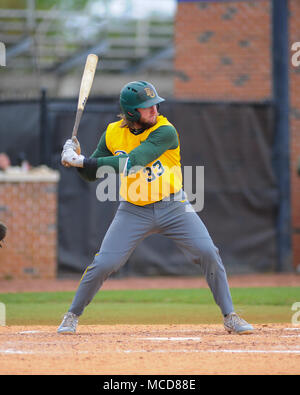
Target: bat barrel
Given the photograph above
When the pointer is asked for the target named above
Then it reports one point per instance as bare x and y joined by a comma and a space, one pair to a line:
85, 87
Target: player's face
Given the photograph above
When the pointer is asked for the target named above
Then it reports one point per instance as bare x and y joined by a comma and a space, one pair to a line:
148, 116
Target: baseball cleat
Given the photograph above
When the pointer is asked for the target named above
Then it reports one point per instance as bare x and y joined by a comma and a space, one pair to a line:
234, 323
69, 324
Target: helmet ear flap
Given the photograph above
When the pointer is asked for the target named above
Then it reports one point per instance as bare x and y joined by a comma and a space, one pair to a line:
133, 116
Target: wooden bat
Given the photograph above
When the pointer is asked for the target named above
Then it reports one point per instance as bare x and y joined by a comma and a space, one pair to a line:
85, 87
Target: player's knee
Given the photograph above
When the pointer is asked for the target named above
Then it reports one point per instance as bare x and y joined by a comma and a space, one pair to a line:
208, 254
106, 264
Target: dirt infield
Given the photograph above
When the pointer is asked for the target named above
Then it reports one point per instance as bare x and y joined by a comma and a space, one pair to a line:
155, 349
150, 349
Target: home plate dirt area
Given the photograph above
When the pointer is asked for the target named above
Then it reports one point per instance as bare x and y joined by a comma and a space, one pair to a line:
149, 349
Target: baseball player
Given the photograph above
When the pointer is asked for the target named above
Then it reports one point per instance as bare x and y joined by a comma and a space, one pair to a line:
144, 148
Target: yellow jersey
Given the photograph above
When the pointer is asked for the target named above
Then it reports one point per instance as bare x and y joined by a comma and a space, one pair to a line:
158, 179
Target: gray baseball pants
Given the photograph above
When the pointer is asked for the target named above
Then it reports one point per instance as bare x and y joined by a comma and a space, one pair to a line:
131, 224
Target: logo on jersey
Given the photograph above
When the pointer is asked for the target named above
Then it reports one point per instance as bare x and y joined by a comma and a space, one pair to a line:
120, 152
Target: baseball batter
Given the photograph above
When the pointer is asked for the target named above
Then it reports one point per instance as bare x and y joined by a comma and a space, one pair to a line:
144, 148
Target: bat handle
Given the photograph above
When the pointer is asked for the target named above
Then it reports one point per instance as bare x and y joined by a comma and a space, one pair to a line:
77, 121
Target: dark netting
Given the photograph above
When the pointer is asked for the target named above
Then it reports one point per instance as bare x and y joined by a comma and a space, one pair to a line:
232, 141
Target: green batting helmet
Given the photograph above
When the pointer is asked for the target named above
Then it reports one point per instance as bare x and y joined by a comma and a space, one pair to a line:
137, 94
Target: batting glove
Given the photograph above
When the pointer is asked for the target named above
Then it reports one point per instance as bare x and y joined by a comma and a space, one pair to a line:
70, 158
73, 144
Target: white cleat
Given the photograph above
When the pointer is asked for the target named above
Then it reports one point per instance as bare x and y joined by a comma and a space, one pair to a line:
234, 323
69, 324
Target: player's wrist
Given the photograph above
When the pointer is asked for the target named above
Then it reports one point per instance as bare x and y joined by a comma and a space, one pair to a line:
90, 163
79, 161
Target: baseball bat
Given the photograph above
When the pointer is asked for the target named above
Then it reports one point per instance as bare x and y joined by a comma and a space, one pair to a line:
85, 87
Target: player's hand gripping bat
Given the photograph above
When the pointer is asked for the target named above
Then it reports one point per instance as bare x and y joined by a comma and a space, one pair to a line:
85, 87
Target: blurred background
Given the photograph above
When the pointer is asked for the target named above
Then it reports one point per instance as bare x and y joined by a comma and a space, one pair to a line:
48, 41
231, 90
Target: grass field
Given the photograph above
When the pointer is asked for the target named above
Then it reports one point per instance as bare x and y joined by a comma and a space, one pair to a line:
158, 306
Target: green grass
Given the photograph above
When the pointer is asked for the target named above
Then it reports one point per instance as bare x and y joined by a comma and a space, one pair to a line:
157, 306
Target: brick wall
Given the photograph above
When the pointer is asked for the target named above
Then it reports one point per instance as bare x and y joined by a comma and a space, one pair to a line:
29, 211
294, 118
223, 50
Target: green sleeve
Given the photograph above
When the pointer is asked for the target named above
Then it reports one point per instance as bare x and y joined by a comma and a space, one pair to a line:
101, 149
162, 139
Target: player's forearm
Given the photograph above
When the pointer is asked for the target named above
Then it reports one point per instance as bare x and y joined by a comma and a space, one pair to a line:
90, 166
116, 163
